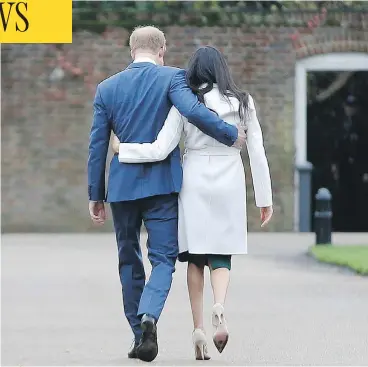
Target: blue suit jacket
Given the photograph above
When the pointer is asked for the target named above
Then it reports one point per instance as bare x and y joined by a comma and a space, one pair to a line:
134, 104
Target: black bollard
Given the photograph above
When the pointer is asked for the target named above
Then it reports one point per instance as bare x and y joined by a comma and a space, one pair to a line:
323, 217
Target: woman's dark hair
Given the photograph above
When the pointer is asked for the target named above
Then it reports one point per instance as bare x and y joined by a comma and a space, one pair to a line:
208, 65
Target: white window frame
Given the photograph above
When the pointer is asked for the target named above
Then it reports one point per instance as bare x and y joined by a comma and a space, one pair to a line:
344, 61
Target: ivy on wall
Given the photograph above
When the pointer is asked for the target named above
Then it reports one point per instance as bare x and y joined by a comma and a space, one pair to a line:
96, 16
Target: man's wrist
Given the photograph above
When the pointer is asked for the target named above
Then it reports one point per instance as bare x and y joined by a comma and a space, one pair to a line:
96, 198
96, 194
233, 134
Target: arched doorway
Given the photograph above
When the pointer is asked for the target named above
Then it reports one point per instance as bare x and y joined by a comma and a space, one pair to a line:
342, 63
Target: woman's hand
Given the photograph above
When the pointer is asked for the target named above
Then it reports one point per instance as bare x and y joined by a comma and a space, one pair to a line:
266, 215
115, 144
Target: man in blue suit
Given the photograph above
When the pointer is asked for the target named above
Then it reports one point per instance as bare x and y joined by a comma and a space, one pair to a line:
134, 104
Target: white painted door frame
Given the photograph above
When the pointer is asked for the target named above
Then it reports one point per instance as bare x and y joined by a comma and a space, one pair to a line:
328, 62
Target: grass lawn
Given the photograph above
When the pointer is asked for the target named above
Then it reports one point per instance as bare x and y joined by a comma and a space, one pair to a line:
353, 257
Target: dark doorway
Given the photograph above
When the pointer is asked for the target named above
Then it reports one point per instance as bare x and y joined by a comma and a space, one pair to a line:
337, 144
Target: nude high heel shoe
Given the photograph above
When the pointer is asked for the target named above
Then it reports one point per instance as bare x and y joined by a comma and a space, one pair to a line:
200, 345
221, 334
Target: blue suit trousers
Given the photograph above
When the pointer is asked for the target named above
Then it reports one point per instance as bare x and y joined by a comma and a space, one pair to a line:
160, 217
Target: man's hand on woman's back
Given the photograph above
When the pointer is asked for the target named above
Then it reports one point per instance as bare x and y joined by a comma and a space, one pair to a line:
240, 141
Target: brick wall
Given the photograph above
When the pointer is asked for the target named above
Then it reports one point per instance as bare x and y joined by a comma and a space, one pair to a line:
46, 112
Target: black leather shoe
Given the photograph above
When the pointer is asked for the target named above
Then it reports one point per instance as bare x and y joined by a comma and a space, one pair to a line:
133, 352
147, 348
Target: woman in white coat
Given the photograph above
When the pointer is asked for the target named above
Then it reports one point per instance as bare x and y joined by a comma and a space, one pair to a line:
212, 202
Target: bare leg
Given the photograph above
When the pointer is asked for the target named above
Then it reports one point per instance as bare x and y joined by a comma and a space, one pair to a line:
220, 279
195, 280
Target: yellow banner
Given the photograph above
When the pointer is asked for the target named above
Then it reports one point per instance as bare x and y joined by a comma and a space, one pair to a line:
36, 21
